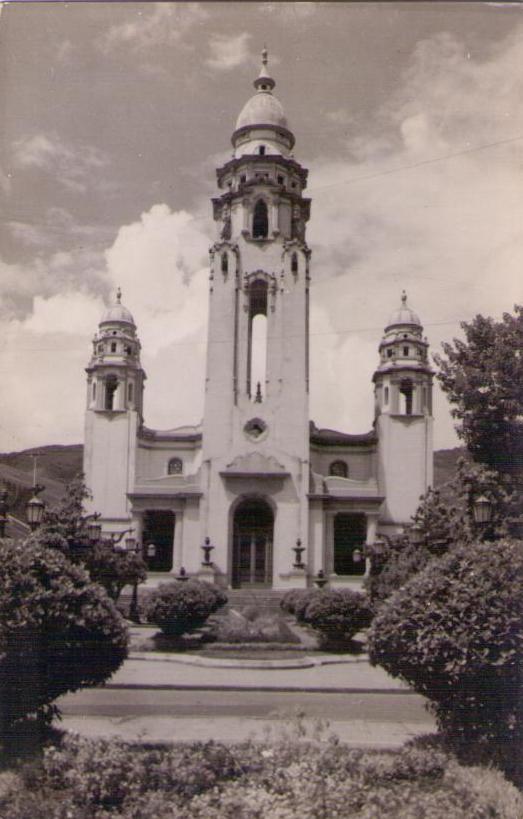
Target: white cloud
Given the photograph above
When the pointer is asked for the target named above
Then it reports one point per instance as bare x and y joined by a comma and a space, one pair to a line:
165, 23
396, 213
73, 167
228, 51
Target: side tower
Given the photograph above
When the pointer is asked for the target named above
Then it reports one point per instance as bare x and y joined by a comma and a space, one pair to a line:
403, 401
256, 419
115, 382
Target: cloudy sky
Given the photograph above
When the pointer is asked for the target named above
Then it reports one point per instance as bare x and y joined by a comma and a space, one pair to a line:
114, 117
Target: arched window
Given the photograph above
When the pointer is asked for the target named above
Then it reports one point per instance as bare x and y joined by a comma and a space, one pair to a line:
260, 220
111, 385
225, 263
257, 341
175, 466
294, 263
339, 469
113, 346
406, 397
261, 150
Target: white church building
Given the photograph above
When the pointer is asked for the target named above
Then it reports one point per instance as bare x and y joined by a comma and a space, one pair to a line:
277, 498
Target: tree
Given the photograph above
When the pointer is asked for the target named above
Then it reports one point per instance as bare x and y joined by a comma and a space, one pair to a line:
483, 379
443, 519
65, 528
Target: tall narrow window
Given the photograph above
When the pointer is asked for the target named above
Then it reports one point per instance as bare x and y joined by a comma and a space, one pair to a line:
406, 397
386, 395
261, 150
130, 392
113, 346
294, 264
225, 263
111, 385
94, 390
260, 220
257, 350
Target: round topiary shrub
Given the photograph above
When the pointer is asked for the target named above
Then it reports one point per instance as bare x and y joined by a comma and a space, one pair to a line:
182, 606
295, 601
338, 614
455, 633
58, 630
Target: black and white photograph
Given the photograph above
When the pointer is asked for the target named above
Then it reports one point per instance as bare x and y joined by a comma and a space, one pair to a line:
261, 410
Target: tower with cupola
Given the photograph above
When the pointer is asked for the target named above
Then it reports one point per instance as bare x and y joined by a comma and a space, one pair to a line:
115, 383
256, 418
403, 406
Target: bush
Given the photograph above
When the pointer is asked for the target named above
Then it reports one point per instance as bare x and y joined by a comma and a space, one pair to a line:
289, 779
256, 628
114, 570
182, 606
338, 614
296, 601
455, 633
58, 631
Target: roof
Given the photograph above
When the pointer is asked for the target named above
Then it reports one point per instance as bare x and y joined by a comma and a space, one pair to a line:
332, 437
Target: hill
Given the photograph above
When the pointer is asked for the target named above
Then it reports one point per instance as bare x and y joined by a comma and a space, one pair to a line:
57, 465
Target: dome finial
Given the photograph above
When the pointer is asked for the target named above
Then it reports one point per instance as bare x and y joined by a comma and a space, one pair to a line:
119, 295
264, 81
404, 297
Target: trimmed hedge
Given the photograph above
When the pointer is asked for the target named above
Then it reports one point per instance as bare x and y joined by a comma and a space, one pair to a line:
183, 606
58, 630
455, 633
338, 614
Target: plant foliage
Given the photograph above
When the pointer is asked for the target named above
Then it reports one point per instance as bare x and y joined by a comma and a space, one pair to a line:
183, 606
455, 633
113, 569
58, 630
483, 379
338, 614
283, 779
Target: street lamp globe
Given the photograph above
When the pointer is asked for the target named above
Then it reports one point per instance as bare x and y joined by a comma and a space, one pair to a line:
34, 511
482, 510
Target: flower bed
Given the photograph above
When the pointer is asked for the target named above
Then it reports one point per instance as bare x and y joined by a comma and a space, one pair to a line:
285, 779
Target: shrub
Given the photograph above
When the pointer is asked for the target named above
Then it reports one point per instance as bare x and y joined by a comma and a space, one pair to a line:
455, 633
296, 601
337, 614
182, 606
58, 631
288, 779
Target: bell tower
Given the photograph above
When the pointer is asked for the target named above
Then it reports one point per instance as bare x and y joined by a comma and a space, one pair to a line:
403, 402
257, 382
115, 384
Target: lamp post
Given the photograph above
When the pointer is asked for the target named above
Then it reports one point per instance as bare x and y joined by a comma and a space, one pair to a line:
482, 512
94, 528
35, 508
134, 610
3, 510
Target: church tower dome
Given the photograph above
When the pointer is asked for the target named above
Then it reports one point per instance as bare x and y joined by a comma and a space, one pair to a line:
115, 374
262, 123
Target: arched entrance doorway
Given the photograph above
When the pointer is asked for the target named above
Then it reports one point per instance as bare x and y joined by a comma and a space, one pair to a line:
253, 528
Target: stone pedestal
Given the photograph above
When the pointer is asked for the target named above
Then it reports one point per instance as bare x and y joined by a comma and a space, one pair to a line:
295, 579
207, 573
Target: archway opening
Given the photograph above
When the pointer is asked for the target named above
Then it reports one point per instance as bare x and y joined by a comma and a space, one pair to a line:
158, 539
350, 534
253, 529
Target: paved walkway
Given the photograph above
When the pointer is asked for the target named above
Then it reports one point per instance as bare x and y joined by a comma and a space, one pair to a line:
321, 674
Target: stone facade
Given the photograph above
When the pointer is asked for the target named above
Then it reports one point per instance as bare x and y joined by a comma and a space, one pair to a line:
277, 498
